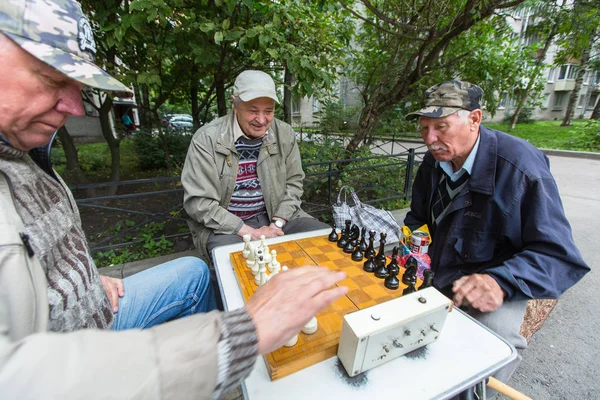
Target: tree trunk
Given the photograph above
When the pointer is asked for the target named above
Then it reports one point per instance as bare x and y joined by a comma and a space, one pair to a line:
287, 96
596, 112
539, 64
194, 96
368, 119
221, 100
73, 168
146, 110
585, 56
114, 143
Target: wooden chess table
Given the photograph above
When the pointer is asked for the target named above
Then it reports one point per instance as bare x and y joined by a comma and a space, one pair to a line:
365, 290
465, 353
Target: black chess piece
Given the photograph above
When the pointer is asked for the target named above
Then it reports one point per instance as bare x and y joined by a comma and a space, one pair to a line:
381, 254
370, 249
357, 255
409, 278
344, 236
380, 271
333, 236
363, 240
410, 288
354, 232
369, 265
427, 279
394, 260
391, 281
349, 247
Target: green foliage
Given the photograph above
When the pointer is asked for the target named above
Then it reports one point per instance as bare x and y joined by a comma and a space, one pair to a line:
546, 134
588, 136
393, 122
525, 116
153, 244
152, 149
335, 117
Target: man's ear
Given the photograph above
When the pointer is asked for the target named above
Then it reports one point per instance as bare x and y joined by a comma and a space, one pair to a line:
475, 118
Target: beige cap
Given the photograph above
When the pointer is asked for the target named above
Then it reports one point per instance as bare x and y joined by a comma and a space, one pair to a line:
250, 85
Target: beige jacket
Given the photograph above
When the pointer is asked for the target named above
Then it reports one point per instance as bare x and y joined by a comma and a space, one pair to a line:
176, 360
210, 172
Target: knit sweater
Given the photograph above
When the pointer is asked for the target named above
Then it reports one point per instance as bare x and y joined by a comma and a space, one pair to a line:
247, 199
75, 294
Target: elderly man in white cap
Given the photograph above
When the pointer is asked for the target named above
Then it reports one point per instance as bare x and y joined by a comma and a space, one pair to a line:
64, 330
243, 172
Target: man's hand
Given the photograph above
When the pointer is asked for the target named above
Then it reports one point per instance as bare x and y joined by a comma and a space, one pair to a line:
282, 307
114, 289
268, 231
481, 291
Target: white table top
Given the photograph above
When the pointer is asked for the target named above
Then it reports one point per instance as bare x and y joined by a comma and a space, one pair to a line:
466, 353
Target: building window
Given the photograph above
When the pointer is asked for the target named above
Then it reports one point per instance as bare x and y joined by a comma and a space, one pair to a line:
296, 105
592, 102
567, 71
502, 102
560, 99
545, 101
595, 77
580, 101
551, 75
316, 106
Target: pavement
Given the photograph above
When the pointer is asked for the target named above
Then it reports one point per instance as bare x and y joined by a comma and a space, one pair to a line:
563, 358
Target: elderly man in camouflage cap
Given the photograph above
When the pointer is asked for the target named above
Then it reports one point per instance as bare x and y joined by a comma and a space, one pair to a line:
499, 232
56, 312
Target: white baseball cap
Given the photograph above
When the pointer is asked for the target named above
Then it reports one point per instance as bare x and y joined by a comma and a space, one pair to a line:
251, 84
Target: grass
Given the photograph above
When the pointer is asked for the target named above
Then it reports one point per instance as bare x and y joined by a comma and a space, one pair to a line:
547, 134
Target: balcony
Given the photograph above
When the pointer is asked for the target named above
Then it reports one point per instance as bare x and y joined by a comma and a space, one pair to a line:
564, 85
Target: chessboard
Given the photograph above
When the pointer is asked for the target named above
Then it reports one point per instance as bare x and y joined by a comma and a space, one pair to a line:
365, 290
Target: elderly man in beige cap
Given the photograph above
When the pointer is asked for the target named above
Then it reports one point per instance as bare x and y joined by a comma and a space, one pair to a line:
243, 173
59, 320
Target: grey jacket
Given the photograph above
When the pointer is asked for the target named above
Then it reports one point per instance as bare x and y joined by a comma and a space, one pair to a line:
210, 172
176, 360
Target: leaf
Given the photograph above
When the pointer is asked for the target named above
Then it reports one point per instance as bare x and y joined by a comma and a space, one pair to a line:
207, 27
218, 37
226, 24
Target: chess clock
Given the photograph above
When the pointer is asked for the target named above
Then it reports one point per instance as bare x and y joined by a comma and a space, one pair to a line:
378, 334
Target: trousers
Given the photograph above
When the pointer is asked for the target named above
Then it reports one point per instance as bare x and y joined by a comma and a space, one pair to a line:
165, 292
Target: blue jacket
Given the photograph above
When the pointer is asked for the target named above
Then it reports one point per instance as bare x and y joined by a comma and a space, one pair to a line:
507, 222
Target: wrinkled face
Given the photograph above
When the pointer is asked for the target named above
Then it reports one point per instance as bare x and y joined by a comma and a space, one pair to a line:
451, 138
255, 116
36, 99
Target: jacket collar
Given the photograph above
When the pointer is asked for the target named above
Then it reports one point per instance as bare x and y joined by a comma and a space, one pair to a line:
484, 169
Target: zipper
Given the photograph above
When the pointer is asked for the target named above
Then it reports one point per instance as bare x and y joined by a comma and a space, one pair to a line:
27, 243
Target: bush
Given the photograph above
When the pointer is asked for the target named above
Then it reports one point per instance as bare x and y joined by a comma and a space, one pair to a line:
588, 136
335, 117
525, 116
150, 148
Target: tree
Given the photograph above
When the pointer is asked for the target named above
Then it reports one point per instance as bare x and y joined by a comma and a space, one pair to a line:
413, 43
578, 37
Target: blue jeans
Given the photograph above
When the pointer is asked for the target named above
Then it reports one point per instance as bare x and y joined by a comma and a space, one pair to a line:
163, 293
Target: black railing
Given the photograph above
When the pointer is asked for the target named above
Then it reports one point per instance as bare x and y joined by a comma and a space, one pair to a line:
384, 180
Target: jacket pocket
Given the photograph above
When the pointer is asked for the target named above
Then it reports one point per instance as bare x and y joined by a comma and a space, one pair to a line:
474, 246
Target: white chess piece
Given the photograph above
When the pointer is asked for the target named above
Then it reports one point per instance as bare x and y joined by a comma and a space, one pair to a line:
274, 263
263, 244
262, 270
251, 256
284, 268
275, 271
291, 342
311, 327
257, 257
246, 251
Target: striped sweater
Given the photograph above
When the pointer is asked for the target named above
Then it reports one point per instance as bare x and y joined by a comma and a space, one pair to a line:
75, 294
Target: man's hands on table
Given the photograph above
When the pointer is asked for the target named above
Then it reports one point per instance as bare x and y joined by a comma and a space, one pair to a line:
282, 307
480, 291
268, 231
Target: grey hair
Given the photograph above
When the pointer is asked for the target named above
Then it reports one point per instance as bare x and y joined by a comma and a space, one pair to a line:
463, 115
237, 101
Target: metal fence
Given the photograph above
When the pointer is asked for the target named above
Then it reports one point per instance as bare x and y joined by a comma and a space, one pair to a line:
383, 180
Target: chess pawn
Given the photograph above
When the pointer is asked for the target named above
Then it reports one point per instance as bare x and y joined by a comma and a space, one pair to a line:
381, 271
257, 256
369, 265
349, 247
274, 263
292, 342
265, 248
284, 268
357, 255
246, 250
275, 271
371, 249
333, 236
427, 279
391, 281
341, 243
262, 271
311, 327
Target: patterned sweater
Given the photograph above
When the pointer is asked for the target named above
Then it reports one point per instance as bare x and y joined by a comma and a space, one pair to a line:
75, 294
247, 199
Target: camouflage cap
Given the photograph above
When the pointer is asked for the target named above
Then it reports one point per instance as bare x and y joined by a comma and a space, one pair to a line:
59, 34
447, 98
